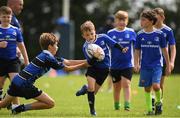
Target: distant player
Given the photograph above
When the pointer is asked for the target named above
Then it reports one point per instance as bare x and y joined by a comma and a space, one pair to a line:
10, 39
170, 40
150, 44
22, 84
122, 63
97, 73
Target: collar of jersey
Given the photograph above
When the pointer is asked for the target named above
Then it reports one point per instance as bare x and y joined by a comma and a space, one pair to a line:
47, 52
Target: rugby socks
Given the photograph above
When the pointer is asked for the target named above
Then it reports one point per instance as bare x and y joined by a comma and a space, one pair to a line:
91, 100
158, 96
116, 105
27, 107
148, 101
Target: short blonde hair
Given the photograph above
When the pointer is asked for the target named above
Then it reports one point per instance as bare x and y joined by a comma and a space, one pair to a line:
159, 11
121, 14
87, 26
47, 39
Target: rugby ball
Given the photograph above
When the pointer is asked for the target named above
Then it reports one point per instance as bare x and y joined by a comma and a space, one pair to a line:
94, 50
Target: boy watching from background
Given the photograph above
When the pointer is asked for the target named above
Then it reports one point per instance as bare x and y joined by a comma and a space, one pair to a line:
122, 63
10, 39
170, 40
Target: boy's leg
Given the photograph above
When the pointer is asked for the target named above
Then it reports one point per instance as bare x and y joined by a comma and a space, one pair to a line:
16, 100
6, 101
148, 99
44, 101
116, 94
162, 86
2, 81
126, 84
90, 95
158, 104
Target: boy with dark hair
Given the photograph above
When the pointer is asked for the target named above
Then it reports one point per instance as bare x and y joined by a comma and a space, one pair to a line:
97, 73
150, 44
22, 84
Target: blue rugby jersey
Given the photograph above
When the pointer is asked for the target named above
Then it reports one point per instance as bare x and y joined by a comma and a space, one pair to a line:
169, 35
38, 67
12, 35
150, 44
126, 38
105, 42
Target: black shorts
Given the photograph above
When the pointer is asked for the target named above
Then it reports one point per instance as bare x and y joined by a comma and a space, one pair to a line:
29, 91
164, 70
98, 74
9, 66
116, 74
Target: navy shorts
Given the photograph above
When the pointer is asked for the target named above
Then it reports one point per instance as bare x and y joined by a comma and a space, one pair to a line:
150, 76
98, 74
116, 74
9, 66
27, 91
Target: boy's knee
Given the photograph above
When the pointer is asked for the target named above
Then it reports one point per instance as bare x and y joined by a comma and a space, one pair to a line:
156, 87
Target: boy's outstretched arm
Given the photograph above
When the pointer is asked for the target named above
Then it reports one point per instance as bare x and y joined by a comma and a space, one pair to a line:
75, 67
73, 62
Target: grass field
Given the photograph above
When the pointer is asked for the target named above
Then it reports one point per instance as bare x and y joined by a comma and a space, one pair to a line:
63, 89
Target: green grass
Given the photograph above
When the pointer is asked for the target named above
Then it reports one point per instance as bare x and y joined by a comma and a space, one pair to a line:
62, 89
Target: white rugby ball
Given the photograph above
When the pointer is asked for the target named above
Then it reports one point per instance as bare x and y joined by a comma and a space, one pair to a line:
93, 50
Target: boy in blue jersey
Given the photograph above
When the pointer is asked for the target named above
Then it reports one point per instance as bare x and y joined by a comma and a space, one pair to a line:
150, 44
10, 39
97, 73
22, 84
170, 40
122, 63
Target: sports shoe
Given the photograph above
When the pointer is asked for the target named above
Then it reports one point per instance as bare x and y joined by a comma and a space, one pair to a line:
93, 113
158, 108
149, 113
82, 91
18, 109
127, 108
153, 104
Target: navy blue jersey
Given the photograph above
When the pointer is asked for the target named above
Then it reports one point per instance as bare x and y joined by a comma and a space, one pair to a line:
15, 22
150, 44
169, 35
105, 42
126, 38
12, 35
38, 67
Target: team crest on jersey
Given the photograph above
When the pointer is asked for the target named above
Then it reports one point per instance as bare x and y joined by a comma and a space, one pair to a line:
149, 42
14, 33
165, 35
102, 43
142, 39
114, 37
156, 39
127, 36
